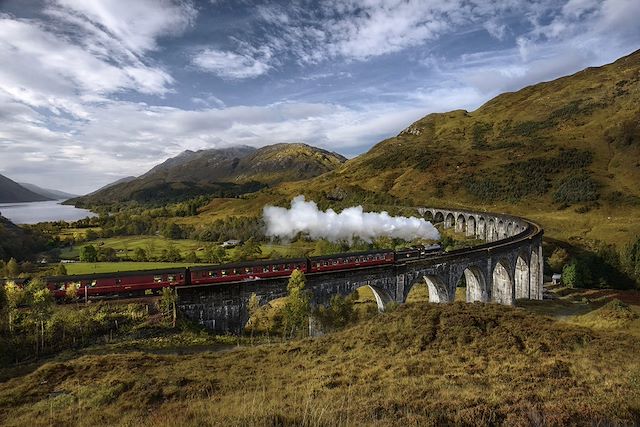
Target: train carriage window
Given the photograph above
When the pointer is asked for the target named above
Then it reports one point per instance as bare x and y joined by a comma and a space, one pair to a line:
182, 276
156, 279
171, 278
265, 269
93, 284
248, 270
223, 273
118, 281
212, 274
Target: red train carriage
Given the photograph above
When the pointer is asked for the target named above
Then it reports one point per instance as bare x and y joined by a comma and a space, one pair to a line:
245, 271
350, 260
133, 282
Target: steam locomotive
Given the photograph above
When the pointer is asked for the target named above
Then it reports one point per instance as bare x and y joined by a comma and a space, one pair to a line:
151, 281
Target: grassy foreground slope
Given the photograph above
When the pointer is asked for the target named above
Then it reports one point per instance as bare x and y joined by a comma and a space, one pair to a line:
419, 365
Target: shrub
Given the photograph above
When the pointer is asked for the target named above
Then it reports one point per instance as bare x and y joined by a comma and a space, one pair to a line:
578, 187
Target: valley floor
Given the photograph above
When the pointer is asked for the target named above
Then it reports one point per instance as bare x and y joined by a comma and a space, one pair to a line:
571, 360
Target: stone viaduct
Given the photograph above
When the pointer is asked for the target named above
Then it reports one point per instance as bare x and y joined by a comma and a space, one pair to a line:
506, 267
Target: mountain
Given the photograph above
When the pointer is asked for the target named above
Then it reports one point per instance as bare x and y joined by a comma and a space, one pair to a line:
11, 191
120, 181
47, 192
225, 172
571, 141
564, 152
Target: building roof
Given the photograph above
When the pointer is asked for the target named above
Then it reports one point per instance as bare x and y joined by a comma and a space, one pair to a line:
556, 276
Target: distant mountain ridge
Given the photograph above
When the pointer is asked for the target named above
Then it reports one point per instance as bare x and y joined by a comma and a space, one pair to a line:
119, 181
47, 192
225, 172
12, 192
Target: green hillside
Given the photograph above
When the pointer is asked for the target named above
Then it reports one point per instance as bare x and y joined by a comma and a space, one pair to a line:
565, 152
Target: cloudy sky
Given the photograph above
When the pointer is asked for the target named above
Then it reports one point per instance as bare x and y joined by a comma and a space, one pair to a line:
91, 91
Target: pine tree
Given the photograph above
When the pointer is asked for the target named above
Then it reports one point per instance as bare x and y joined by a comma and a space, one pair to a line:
253, 306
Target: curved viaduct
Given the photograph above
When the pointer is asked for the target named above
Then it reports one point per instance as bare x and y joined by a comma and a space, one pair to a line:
506, 267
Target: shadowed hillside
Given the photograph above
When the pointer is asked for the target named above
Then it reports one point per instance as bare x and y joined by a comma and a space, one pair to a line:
219, 172
11, 191
464, 364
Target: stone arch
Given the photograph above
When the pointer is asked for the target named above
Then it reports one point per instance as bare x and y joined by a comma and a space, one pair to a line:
428, 215
500, 230
461, 224
510, 229
502, 283
521, 278
438, 217
449, 220
471, 226
438, 291
535, 274
382, 297
491, 230
482, 229
476, 284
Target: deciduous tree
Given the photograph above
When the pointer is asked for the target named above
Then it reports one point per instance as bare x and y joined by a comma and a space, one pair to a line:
12, 267
88, 254
297, 307
61, 270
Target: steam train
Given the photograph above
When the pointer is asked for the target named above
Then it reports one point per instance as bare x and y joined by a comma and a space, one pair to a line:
151, 281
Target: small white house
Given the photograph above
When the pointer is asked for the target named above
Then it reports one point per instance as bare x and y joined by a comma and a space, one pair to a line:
231, 243
556, 279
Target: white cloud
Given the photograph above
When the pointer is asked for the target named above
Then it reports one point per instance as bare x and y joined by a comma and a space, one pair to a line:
231, 65
88, 51
125, 138
136, 25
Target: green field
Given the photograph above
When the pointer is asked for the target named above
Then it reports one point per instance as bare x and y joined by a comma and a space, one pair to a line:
154, 245
110, 267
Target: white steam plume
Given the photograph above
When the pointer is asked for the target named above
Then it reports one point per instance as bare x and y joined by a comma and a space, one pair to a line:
307, 218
